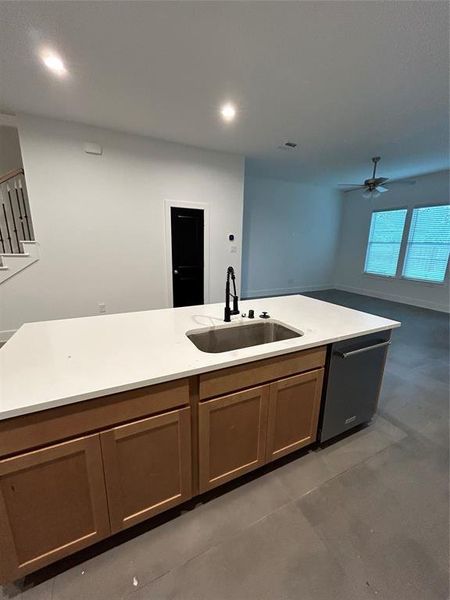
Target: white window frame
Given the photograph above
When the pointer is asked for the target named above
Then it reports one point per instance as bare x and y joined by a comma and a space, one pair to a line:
398, 270
403, 246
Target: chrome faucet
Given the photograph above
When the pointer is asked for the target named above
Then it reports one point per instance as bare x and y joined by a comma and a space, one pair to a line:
228, 311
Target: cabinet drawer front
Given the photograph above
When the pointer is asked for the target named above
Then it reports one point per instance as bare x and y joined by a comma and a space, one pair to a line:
232, 436
52, 503
147, 467
262, 371
46, 427
294, 407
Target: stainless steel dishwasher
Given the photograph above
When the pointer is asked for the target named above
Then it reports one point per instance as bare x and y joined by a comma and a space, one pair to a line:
355, 370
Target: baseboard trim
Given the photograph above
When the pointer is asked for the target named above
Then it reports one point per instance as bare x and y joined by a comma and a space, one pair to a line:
393, 298
6, 334
254, 294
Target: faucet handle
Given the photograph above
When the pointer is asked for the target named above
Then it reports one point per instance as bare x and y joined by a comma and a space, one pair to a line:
264, 315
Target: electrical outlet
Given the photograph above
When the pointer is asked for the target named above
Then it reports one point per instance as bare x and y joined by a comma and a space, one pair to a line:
102, 308
233, 250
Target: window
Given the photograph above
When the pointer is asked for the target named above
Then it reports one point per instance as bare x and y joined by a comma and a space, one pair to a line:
428, 245
385, 238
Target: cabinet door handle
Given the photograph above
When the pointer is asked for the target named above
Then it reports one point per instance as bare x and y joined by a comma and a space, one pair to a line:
361, 350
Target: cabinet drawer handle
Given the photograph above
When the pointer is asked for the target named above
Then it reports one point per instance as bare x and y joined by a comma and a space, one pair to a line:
361, 350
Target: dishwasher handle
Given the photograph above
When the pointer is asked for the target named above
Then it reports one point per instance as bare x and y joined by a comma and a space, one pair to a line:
361, 350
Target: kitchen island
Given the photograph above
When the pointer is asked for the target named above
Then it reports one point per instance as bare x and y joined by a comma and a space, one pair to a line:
107, 421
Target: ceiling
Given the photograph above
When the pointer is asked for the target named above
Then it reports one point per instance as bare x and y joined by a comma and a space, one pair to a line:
344, 79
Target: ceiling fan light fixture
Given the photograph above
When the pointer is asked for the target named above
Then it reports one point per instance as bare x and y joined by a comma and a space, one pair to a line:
372, 187
371, 194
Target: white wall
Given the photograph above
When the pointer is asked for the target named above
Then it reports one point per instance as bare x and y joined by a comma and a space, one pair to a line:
10, 157
290, 237
100, 219
356, 214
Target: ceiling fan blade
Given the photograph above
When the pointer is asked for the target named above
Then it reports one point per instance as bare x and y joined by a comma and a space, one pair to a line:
359, 187
382, 189
382, 180
405, 181
349, 184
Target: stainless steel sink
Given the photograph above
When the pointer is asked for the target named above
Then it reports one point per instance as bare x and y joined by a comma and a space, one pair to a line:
232, 337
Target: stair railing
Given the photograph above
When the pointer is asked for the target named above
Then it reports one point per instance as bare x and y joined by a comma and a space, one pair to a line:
15, 216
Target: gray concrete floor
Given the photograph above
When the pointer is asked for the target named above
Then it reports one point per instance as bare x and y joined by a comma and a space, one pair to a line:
364, 518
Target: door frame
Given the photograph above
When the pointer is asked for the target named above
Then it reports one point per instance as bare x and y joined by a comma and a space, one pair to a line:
168, 204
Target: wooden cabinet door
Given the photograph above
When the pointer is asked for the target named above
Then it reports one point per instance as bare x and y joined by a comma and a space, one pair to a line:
232, 436
294, 407
147, 467
52, 503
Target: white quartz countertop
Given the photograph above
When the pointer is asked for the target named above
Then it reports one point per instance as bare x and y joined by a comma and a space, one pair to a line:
52, 363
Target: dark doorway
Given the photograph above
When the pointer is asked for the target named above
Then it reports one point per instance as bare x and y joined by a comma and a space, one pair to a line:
187, 256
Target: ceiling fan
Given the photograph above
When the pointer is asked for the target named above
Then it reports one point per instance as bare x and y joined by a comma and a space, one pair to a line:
374, 186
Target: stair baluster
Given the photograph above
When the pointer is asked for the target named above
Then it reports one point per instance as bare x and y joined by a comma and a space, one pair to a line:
15, 222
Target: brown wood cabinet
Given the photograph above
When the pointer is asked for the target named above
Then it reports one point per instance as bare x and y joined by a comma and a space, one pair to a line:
147, 467
294, 407
232, 436
241, 432
52, 503
72, 475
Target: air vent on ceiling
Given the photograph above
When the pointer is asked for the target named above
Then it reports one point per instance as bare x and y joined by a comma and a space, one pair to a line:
288, 146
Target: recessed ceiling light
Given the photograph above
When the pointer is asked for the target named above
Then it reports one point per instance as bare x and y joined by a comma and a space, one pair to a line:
53, 62
228, 112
